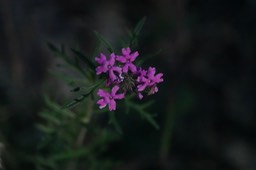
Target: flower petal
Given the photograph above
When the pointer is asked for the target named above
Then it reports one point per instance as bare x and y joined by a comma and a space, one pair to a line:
126, 51
125, 68
142, 87
119, 96
121, 59
112, 76
151, 72
101, 59
112, 105
101, 103
158, 78
134, 55
132, 68
114, 90
112, 59
102, 93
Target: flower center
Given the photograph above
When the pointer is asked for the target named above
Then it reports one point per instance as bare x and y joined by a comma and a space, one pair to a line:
109, 66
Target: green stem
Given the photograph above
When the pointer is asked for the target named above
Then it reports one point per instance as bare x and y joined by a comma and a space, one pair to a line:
167, 134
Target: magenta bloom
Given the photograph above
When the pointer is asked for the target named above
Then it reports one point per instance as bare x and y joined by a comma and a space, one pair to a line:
127, 58
149, 80
108, 66
109, 98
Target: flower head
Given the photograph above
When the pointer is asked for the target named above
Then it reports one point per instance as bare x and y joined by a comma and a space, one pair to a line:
108, 98
138, 80
127, 58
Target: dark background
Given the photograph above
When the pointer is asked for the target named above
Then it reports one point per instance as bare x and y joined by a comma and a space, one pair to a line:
206, 105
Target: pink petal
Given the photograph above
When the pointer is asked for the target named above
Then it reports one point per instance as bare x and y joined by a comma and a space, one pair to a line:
114, 90
142, 87
132, 68
102, 93
117, 69
125, 68
151, 72
119, 96
112, 59
112, 105
121, 59
126, 51
112, 76
101, 59
134, 55
101, 103
158, 78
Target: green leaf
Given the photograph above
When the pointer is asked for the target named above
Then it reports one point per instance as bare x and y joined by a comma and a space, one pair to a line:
49, 117
85, 59
77, 100
58, 52
57, 108
139, 26
141, 109
105, 42
83, 96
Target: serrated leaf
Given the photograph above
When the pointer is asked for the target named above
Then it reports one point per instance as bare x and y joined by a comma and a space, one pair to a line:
83, 96
105, 42
85, 59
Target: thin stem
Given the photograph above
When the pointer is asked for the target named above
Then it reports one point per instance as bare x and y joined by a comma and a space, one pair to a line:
167, 134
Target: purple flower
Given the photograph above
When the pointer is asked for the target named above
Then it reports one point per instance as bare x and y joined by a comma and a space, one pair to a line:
109, 98
127, 58
108, 66
149, 79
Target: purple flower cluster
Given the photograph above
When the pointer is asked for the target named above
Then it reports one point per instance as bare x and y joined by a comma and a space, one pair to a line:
123, 75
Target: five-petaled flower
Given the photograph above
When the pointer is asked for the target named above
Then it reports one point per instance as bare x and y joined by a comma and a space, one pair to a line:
127, 58
108, 66
108, 98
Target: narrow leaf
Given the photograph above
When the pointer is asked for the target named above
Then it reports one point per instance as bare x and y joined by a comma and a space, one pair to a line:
49, 117
150, 119
105, 42
85, 59
139, 26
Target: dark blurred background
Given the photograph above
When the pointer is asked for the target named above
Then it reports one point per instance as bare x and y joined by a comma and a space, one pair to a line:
206, 106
